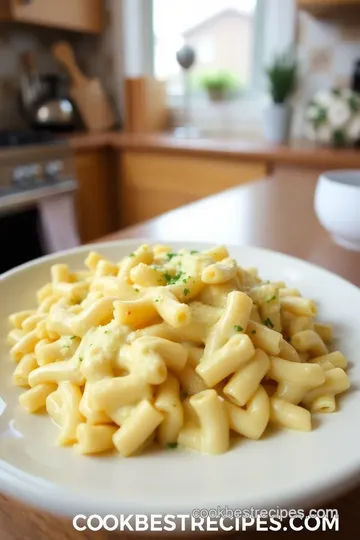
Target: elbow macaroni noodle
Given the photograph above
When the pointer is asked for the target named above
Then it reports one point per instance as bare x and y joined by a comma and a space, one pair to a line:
178, 348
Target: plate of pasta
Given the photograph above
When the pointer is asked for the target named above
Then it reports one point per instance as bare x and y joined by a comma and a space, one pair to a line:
153, 378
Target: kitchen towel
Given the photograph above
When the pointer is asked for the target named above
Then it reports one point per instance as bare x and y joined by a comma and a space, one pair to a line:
58, 223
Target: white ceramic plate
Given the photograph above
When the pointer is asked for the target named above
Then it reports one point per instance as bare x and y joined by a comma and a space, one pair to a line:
287, 468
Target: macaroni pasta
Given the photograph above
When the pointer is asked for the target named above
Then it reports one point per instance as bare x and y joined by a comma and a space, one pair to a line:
174, 348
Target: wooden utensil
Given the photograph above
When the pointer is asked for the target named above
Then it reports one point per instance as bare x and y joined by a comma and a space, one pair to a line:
88, 94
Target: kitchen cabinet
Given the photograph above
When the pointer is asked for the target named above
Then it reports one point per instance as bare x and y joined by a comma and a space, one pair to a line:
340, 9
79, 15
153, 183
96, 195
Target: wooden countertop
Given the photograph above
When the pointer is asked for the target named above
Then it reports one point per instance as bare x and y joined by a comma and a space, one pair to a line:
272, 213
297, 153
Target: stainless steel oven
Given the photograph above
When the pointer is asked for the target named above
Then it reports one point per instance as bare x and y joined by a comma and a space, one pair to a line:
37, 186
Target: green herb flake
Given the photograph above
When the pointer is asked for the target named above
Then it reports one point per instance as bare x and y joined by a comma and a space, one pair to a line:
137, 290
157, 299
106, 331
271, 299
238, 328
171, 255
268, 323
132, 255
72, 337
171, 280
193, 252
253, 332
172, 445
80, 359
186, 292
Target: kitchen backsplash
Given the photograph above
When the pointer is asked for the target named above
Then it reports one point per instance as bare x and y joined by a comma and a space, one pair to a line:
327, 53
94, 54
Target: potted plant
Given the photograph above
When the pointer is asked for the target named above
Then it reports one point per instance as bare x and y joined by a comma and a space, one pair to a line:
219, 85
281, 76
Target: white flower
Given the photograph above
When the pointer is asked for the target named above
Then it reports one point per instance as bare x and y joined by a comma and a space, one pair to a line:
324, 98
312, 112
353, 130
339, 113
324, 133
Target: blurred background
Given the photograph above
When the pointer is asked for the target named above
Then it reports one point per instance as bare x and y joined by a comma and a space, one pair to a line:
115, 111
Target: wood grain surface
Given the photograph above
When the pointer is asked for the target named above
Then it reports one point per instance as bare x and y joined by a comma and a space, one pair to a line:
300, 153
275, 214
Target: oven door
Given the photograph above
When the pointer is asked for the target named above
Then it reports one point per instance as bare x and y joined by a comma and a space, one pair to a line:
36, 222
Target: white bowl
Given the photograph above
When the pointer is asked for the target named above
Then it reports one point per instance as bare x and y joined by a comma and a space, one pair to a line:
286, 468
337, 205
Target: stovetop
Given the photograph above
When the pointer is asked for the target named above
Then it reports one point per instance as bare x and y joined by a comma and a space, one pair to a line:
19, 138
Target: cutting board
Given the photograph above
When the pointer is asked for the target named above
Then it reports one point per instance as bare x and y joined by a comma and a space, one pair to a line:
88, 94
146, 109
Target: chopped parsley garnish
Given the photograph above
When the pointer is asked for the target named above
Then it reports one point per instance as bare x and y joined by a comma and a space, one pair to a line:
73, 337
186, 292
172, 445
268, 323
171, 255
253, 332
137, 290
171, 280
157, 299
80, 359
193, 251
186, 279
132, 255
238, 328
271, 299
106, 331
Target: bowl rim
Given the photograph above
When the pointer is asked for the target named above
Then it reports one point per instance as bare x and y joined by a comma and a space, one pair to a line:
332, 177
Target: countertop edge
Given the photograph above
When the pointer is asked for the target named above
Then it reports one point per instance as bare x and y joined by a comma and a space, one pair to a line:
299, 154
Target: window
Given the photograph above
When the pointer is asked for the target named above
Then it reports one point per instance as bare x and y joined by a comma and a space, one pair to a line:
154, 30
221, 33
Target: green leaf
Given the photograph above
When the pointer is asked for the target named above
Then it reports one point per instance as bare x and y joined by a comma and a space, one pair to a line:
282, 74
354, 104
339, 138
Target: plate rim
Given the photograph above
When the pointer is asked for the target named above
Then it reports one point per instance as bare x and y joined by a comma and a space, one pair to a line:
58, 499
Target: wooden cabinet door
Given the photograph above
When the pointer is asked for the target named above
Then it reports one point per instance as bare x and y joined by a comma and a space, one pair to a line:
96, 197
5, 13
81, 15
331, 9
154, 183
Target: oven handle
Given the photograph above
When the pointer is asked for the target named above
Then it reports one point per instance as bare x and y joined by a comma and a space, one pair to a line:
13, 201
